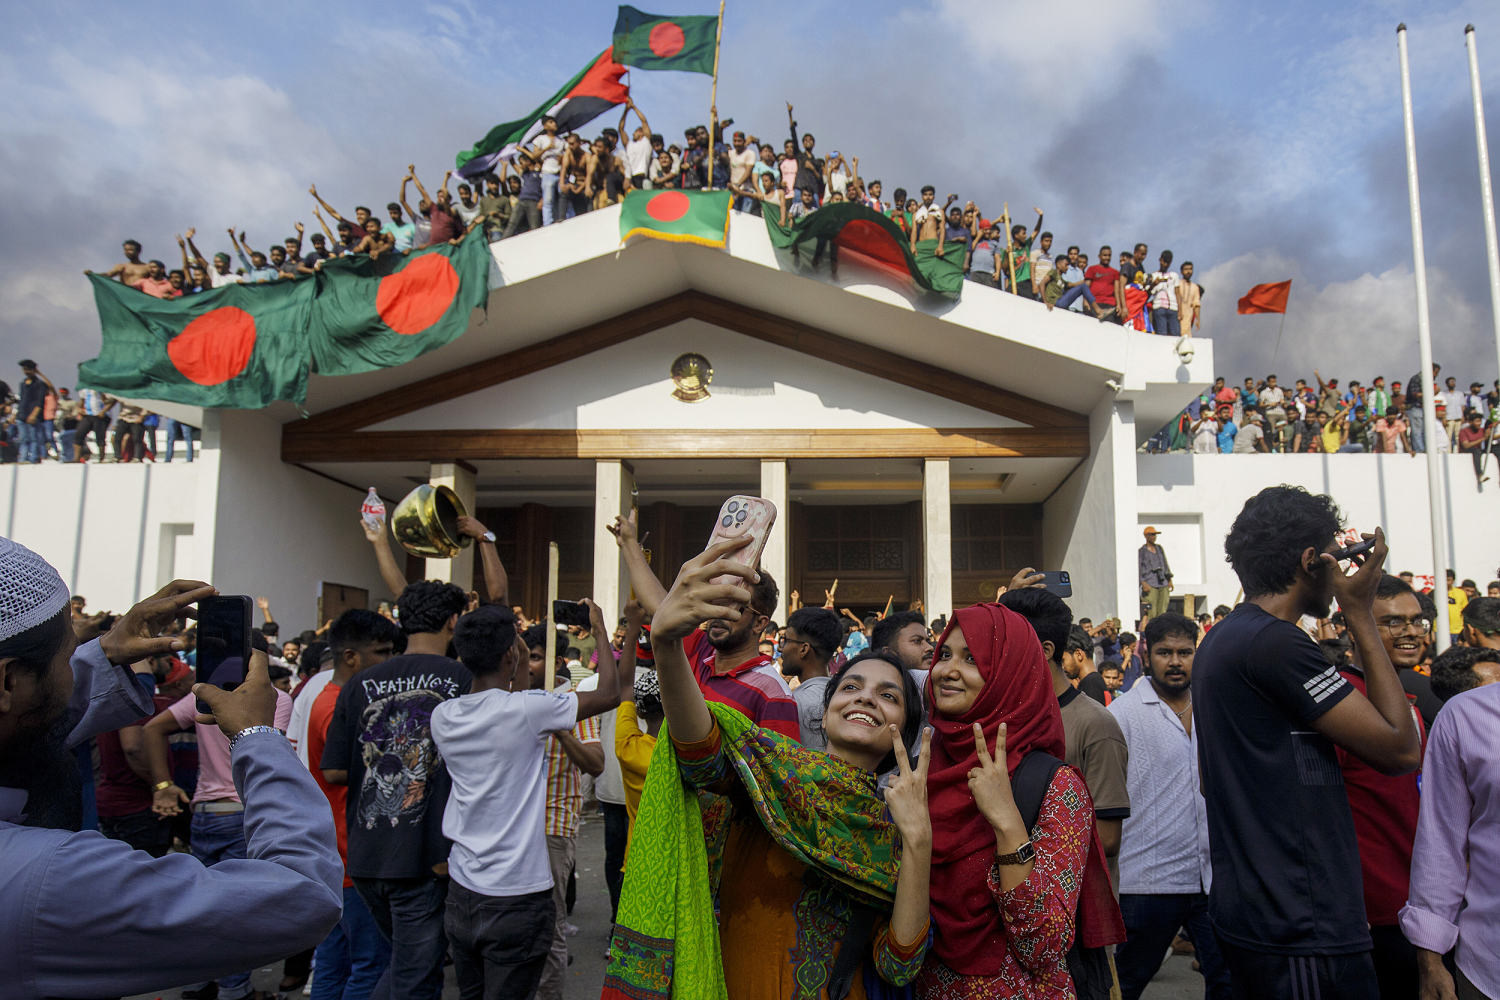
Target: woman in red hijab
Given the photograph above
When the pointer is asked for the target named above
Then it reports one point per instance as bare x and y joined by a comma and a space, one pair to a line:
1004, 898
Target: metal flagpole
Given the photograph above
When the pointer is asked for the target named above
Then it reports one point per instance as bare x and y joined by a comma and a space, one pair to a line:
1487, 199
1281, 326
713, 101
1436, 500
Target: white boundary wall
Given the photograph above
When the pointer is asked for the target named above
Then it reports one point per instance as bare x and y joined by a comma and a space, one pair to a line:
1194, 499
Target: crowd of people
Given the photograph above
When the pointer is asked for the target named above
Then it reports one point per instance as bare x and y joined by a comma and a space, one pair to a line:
1002, 802
1267, 416
39, 421
558, 176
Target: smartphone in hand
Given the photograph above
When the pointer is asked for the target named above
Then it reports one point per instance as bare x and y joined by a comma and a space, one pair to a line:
223, 641
1058, 582
749, 519
570, 613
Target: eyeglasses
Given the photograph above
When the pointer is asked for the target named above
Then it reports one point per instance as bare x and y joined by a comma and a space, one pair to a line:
1408, 626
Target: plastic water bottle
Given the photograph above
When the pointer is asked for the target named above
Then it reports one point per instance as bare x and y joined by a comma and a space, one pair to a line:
372, 511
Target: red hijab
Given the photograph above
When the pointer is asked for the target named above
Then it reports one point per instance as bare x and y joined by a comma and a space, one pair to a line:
970, 938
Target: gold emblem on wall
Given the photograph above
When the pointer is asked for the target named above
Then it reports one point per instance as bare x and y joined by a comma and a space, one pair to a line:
691, 374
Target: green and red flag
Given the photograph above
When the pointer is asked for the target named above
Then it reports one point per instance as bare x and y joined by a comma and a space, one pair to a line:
239, 346
384, 312
864, 236
595, 90
700, 217
655, 41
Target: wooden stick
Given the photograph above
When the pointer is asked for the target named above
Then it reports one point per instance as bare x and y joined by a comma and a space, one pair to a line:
713, 99
551, 624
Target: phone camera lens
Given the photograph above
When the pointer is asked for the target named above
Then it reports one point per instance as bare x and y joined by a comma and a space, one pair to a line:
734, 505
728, 521
740, 517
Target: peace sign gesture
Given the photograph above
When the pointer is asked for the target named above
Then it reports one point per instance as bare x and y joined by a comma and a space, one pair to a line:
989, 783
906, 795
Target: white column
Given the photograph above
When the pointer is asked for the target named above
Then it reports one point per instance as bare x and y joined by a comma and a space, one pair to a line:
459, 478
774, 558
206, 508
614, 485
1122, 470
937, 538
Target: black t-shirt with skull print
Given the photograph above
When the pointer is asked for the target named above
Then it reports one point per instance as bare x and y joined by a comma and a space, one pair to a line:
381, 733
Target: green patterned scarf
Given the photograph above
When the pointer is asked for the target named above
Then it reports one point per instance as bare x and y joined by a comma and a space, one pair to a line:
826, 813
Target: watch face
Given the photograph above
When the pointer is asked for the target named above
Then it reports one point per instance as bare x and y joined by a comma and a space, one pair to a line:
489, 536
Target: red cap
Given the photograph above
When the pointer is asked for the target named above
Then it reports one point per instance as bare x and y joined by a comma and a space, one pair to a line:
179, 672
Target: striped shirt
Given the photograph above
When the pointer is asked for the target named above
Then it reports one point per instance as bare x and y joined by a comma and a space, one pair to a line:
565, 781
754, 687
1164, 841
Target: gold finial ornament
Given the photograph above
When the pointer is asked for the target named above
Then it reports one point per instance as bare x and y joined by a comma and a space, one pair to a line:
692, 375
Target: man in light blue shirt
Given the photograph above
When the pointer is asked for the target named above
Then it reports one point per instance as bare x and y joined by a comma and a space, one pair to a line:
82, 915
257, 268
404, 233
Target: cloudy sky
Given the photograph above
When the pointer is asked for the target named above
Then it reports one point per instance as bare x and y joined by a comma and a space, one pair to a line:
1261, 141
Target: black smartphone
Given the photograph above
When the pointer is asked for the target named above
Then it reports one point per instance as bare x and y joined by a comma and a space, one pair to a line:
223, 641
1058, 582
1357, 549
570, 613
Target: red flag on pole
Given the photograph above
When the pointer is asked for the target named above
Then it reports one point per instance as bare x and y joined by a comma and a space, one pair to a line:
1266, 298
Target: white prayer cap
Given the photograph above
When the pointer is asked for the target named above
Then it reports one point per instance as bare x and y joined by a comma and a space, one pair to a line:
31, 592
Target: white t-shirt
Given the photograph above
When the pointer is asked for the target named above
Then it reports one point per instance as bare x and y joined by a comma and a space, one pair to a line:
1206, 437
638, 156
466, 213
550, 148
741, 164
1454, 400
296, 730
1165, 296
217, 280
495, 745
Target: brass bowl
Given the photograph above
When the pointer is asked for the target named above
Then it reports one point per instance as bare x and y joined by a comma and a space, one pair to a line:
425, 522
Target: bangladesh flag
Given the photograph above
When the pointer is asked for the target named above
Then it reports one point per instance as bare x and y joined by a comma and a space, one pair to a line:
240, 346
651, 41
872, 240
595, 90
381, 313
679, 216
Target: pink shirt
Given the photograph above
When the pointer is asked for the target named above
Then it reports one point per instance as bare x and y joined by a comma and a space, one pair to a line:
215, 780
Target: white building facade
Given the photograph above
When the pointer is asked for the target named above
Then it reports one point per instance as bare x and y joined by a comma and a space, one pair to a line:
917, 449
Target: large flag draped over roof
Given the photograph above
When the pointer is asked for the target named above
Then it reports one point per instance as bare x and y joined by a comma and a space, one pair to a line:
656, 41
240, 346
679, 216
595, 90
866, 237
381, 313
1269, 298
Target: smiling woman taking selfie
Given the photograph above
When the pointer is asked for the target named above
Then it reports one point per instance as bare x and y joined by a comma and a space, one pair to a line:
1011, 892
807, 861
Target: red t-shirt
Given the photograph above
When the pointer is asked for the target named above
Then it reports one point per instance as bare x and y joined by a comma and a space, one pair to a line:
445, 225
118, 791
1469, 438
318, 718
1385, 825
1101, 281
753, 687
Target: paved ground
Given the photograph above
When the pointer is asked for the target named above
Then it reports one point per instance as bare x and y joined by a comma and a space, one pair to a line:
1176, 981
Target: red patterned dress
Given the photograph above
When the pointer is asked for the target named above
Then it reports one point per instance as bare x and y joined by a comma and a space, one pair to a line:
1037, 916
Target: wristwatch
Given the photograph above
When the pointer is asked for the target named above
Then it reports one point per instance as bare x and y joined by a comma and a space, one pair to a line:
488, 536
1019, 856
161, 785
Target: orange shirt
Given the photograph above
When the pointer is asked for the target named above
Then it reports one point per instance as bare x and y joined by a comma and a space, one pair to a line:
318, 719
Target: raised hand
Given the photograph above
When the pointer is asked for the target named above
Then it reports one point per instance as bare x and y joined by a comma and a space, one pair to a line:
1025, 577
263, 604
626, 528
298, 226
471, 527
137, 633
253, 703
373, 532
989, 783
1356, 591
635, 614
192, 231
906, 795
312, 189
179, 241
694, 598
